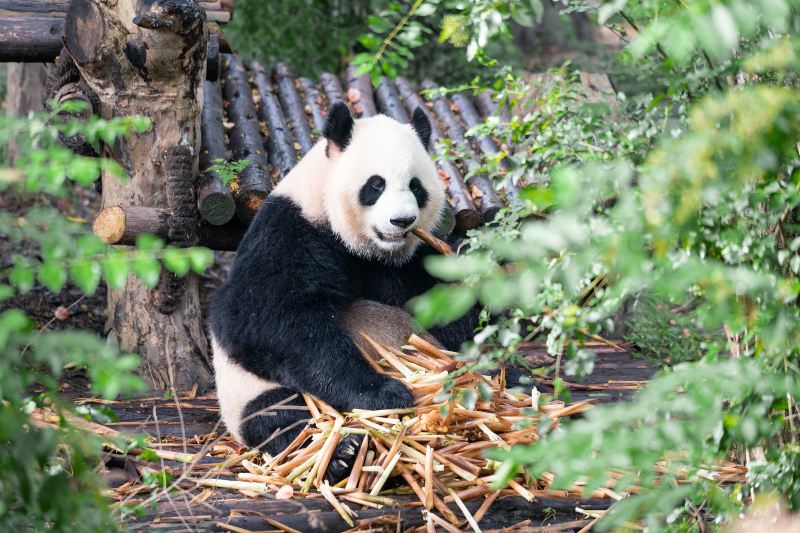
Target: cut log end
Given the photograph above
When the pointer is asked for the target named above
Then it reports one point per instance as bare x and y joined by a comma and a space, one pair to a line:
248, 203
467, 219
217, 208
110, 224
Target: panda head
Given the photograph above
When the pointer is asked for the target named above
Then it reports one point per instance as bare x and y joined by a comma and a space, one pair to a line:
381, 184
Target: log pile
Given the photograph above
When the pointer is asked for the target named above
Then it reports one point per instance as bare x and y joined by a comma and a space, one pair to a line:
270, 118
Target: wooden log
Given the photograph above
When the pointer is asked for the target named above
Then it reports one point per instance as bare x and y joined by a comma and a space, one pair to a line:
486, 144
165, 84
389, 101
293, 106
279, 139
488, 107
30, 39
332, 88
214, 199
122, 225
315, 104
213, 58
246, 142
36, 39
481, 186
458, 196
58, 9
359, 94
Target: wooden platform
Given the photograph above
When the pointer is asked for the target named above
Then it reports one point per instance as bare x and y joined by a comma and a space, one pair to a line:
195, 420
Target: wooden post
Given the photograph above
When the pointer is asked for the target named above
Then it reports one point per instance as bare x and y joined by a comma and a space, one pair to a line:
149, 58
26, 83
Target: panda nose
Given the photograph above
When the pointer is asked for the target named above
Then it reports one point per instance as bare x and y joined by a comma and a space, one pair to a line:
403, 222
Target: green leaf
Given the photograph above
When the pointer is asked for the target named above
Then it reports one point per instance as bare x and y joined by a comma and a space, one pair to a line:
175, 260
13, 321
147, 242
200, 258
53, 276
148, 270
115, 270
6, 292
22, 277
442, 304
86, 275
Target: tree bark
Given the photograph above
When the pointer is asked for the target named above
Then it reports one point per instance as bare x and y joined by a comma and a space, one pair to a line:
149, 59
25, 93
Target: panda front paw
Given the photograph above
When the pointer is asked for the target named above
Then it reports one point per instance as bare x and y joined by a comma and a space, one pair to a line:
394, 395
343, 459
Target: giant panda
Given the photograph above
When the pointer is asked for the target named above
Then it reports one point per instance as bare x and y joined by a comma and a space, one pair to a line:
329, 254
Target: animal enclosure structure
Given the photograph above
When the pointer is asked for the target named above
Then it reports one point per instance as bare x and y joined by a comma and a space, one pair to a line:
271, 119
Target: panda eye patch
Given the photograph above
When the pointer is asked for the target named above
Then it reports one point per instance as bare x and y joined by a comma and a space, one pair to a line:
371, 190
419, 192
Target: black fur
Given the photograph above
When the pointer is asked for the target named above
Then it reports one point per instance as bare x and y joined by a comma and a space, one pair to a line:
338, 128
267, 413
422, 125
371, 191
419, 192
278, 314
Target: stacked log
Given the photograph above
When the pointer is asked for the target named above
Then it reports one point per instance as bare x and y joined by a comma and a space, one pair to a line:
293, 106
389, 101
214, 198
246, 142
279, 138
359, 94
486, 144
314, 104
332, 88
461, 203
482, 188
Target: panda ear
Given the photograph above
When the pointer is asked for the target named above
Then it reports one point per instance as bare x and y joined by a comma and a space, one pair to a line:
338, 127
421, 124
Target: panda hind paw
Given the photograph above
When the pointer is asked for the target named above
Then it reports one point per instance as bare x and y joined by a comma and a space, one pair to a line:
343, 459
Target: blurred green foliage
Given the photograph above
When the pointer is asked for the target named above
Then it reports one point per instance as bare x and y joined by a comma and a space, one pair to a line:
682, 186
49, 479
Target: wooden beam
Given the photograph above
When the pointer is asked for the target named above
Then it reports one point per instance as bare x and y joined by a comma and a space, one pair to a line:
121, 225
215, 12
30, 39
38, 39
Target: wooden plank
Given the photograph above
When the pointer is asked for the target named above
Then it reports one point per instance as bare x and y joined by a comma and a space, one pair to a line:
58, 9
30, 39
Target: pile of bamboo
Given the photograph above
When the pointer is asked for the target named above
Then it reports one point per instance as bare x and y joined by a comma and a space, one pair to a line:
434, 451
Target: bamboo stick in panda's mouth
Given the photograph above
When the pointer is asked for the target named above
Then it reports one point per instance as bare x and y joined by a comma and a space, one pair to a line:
433, 241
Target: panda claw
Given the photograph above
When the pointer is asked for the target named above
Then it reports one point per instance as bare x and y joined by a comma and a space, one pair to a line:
342, 461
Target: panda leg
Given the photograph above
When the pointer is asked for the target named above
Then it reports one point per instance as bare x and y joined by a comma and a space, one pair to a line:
272, 420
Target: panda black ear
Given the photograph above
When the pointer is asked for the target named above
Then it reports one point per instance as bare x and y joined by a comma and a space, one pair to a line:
421, 124
338, 127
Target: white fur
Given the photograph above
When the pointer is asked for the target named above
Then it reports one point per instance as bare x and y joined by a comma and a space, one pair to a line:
236, 387
326, 187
